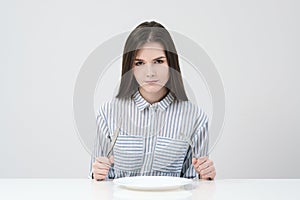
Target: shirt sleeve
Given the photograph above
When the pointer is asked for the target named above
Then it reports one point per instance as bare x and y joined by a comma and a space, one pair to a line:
200, 140
102, 142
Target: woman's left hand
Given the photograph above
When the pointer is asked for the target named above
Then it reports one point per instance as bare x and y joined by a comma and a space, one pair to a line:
205, 167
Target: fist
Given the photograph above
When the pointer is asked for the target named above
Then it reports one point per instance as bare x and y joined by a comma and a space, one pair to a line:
205, 167
101, 167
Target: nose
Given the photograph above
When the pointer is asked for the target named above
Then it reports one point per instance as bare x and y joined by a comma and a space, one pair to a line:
150, 71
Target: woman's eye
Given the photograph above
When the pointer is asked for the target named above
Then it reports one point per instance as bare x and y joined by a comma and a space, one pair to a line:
159, 61
138, 63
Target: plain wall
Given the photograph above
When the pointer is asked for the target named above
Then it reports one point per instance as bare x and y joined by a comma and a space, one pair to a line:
254, 45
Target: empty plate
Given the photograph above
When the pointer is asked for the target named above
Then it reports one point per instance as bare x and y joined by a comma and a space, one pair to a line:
152, 182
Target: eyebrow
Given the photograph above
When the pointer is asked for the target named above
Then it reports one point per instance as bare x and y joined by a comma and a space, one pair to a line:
153, 59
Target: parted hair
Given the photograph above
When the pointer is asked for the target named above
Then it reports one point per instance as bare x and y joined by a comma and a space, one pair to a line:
143, 33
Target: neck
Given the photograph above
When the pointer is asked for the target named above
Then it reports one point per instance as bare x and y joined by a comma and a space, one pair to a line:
153, 97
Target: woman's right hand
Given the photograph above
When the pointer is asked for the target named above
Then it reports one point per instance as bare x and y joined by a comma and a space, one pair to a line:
101, 167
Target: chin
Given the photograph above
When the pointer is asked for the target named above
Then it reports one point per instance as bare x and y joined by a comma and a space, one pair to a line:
152, 88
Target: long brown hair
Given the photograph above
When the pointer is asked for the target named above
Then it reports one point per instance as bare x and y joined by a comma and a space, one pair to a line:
143, 33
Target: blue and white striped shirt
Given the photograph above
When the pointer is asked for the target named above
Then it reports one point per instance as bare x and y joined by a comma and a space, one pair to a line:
149, 136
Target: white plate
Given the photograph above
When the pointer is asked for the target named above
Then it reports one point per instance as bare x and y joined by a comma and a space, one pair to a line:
152, 182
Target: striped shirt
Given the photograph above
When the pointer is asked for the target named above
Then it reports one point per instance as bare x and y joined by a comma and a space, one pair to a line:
152, 139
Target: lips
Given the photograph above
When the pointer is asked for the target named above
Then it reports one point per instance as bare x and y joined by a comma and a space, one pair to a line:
151, 81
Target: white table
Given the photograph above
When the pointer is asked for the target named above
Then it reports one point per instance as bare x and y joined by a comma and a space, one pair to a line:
89, 189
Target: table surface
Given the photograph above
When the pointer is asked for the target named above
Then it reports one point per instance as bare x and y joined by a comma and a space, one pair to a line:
106, 190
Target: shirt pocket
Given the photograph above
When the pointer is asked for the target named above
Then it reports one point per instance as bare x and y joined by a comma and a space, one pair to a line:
169, 154
128, 153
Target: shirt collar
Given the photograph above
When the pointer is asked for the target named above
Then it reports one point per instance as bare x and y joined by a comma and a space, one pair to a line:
142, 103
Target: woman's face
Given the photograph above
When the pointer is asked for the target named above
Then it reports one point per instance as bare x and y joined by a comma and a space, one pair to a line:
150, 67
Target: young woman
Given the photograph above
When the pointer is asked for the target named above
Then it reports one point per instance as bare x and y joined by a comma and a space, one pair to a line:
151, 128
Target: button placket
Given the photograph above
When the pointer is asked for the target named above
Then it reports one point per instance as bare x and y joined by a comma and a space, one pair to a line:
150, 140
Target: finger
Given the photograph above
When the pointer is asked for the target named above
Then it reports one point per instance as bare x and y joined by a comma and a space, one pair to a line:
209, 176
97, 165
207, 171
111, 160
200, 161
103, 160
205, 165
101, 167
99, 177
194, 161
100, 172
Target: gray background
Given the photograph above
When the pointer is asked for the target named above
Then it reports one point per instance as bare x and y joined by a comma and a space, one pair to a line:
254, 45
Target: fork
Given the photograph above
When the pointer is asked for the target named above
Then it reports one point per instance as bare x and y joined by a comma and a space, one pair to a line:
113, 142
